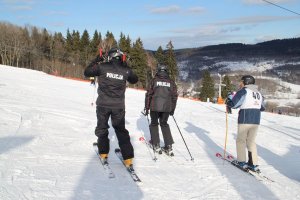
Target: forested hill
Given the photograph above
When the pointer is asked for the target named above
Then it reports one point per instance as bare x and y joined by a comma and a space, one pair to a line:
284, 47
278, 53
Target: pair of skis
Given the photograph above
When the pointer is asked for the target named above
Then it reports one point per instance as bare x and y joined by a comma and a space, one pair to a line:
257, 174
109, 171
159, 151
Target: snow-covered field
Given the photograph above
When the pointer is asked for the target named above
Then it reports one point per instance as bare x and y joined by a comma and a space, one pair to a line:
47, 130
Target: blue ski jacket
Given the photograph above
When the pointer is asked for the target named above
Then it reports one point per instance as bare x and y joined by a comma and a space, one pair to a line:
250, 102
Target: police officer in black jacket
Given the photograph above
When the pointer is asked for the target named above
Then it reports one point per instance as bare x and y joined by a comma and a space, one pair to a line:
112, 77
161, 99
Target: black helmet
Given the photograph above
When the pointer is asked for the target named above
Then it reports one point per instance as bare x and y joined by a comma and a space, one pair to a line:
248, 80
161, 68
115, 53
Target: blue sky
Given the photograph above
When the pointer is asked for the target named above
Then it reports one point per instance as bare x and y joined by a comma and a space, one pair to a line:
187, 23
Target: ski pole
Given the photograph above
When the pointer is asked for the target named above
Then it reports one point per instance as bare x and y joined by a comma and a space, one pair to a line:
154, 156
183, 139
226, 133
94, 94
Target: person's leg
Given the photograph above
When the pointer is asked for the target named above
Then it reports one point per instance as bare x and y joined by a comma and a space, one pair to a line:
251, 145
165, 128
101, 130
154, 128
241, 142
118, 123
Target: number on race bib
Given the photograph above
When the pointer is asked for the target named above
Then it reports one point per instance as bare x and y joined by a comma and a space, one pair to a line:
256, 95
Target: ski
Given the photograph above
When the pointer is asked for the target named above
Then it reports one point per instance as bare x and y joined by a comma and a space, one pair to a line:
258, 175
167, 153
104, 163
149, 147
130, 169
160, 152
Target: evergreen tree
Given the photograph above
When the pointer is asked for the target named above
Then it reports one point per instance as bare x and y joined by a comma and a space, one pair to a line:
84, 41
159, 55
124, 44
58, 47
170, 61
46, 43
94, 45
228, 88
69, 42
139, 62
75, 41
207, 90
26, 54
109, 42
128, 44
85, 50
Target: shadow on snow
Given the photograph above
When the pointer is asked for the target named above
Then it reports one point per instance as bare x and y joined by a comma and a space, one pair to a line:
211, 148
12, 142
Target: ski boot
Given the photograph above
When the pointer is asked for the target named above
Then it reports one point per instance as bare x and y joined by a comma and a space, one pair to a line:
242, 165
254, 168
103, 157
128, 163
168, 150
157, 149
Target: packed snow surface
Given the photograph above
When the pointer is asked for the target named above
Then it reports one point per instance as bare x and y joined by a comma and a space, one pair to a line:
47, 129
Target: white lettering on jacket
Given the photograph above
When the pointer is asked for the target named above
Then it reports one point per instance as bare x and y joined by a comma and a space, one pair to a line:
115, 76
163, 84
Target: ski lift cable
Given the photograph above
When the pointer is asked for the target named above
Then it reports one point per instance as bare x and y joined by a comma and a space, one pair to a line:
281, 7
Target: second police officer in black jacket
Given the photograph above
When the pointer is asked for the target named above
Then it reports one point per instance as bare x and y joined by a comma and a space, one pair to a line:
112, 77
161, 99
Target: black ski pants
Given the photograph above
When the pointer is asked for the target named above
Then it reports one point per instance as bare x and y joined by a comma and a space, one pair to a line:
118, 123
162, 117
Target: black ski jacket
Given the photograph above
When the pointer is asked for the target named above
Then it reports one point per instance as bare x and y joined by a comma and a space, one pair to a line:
112, 77
161, 96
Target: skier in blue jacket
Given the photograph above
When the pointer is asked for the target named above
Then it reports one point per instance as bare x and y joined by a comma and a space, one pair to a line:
250, 102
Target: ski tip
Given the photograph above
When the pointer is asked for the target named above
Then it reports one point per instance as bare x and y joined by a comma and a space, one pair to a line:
218, 155
117, 150
95, 144
111, 176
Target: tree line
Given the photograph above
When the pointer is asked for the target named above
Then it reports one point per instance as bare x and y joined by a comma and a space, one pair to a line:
38, 49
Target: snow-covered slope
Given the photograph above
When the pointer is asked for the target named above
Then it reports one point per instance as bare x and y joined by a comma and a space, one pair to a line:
47, 130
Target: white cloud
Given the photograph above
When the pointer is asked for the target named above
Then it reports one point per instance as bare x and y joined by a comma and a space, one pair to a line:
17, 1
18, 5
176, 9
188, 41
196, 10
229, 26
166, 10
57, 24
230, 29
264, 38
259, 2
56, 13
255, 20
20, 8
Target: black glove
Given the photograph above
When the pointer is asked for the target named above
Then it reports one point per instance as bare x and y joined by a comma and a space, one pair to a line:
172, 113
93, 82
146, 111
98, 59
229, 102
